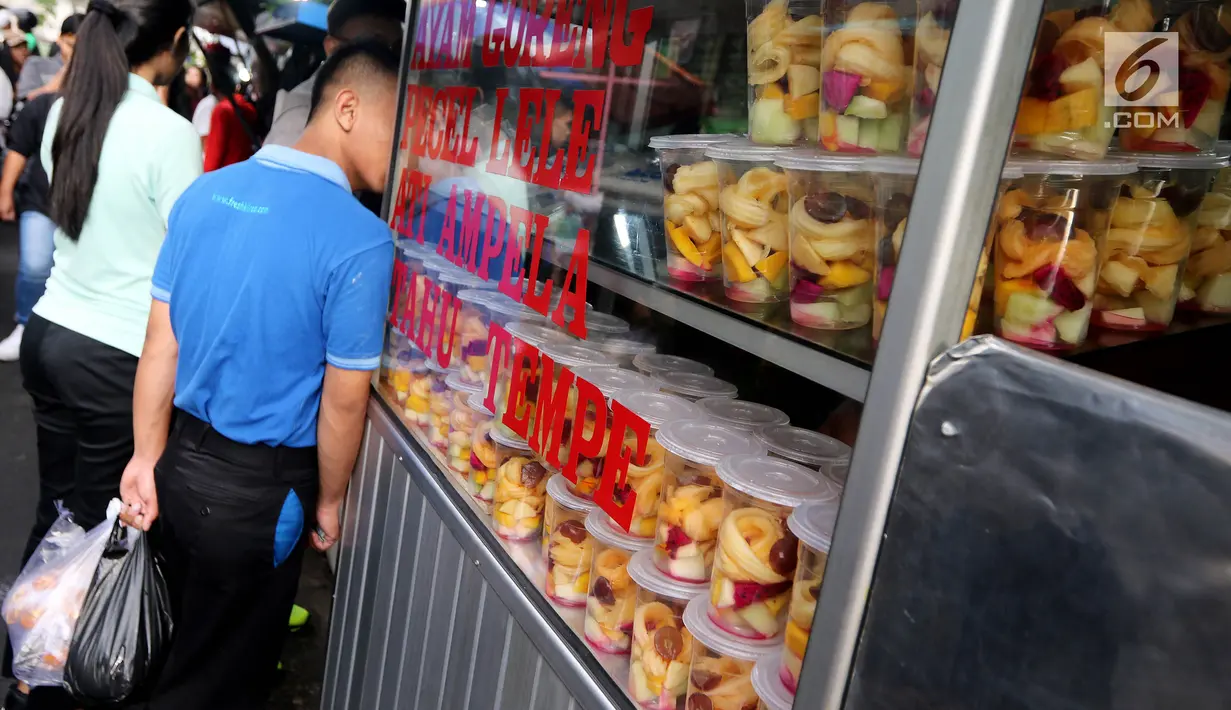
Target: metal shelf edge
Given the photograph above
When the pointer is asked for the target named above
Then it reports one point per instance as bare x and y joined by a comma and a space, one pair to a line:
816, 364
499, 571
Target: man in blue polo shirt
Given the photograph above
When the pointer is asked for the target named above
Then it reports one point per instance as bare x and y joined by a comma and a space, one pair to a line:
269, 301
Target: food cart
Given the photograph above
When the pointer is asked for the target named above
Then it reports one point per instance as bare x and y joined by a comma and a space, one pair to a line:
1012, 527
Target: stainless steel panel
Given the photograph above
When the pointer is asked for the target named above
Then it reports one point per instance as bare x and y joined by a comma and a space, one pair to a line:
337, 667
971, 130
488, 652
374, 514
439, 622
386, 578
460, 653
426, 558
399, 620
521, 662
549, 692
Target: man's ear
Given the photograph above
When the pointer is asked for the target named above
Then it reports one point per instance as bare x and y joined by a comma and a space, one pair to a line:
346, 109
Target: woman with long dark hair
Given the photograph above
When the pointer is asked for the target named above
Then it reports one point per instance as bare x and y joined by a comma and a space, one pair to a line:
118, 160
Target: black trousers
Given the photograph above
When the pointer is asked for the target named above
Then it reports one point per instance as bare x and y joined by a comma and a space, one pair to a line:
83, 393
233, 523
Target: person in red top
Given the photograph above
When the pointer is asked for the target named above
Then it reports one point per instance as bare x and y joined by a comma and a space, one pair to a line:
233, 123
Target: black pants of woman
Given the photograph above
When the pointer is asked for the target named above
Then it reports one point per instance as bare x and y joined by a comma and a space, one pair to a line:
83, 394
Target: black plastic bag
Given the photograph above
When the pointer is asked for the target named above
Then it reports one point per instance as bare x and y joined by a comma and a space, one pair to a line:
125, 625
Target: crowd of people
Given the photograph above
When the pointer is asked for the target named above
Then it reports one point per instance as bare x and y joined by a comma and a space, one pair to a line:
199, 309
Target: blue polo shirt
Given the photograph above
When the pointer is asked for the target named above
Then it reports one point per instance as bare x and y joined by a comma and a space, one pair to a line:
272, 269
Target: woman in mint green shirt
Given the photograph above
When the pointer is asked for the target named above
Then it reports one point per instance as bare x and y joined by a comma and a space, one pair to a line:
118, 159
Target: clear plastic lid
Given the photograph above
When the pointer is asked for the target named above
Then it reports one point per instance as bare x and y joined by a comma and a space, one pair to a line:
767, 683
906, 165
804, 445
690, 140
821, 162
610, 380
1050, 165
813, 523
745, 416
600, 526
436, 262
605, 324
464, 279
695, 386
454, 382
657, 363
557, 488
744, 149
619, 345
475, 402
535, 334
512, 442
706, 442
414, 250
573, 355
647, 576
505, 306
434, 366
697, 620
475, 296
1178, 161
658, 408
776, 481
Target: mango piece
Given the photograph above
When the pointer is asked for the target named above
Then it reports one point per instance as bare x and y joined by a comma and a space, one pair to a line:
772, 91
735, 263
772, 265
796, 639
417, 403
679, 237
828, 124
808, 106
503, 519
885, 90
844, 274
1031, 117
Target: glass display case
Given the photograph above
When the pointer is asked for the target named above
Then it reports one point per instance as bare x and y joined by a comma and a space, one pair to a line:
660, 317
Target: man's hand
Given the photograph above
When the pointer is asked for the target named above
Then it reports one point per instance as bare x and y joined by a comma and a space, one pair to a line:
137, 490
328, 526
8, 210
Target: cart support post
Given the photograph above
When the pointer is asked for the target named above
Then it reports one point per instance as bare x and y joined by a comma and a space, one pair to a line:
972, 126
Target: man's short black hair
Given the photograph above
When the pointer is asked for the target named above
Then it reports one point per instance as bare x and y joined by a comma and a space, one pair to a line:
353, 64
71, 23
343, 11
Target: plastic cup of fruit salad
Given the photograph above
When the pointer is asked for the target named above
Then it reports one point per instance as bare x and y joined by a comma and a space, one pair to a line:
720, 676
575, 355
738, 414
469, 319
690, 206
768, 685
439, 406
472, 323
832, 228
624, 348
502, 310
653, 364
694, 387
481, 478
401, 360
535, 336
1049, 226
521, 490
662, 645
784, 78
690, 511
752, 199
613, 594
462, 422
865, 77
1204, 32
566, 545
1207, 276
756, 556
932, 34
813, 524
1153, 225
1062, 109
895, 180
646, 475
419, 393
808, 448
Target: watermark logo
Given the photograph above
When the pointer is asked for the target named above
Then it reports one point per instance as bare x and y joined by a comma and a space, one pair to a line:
1143, 72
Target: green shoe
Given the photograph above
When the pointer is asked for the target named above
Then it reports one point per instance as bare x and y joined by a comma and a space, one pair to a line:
299, 617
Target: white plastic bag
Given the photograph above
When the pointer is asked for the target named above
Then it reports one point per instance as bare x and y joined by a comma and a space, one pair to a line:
41, 609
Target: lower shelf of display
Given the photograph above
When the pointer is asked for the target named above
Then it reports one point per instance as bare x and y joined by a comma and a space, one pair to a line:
527, 555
